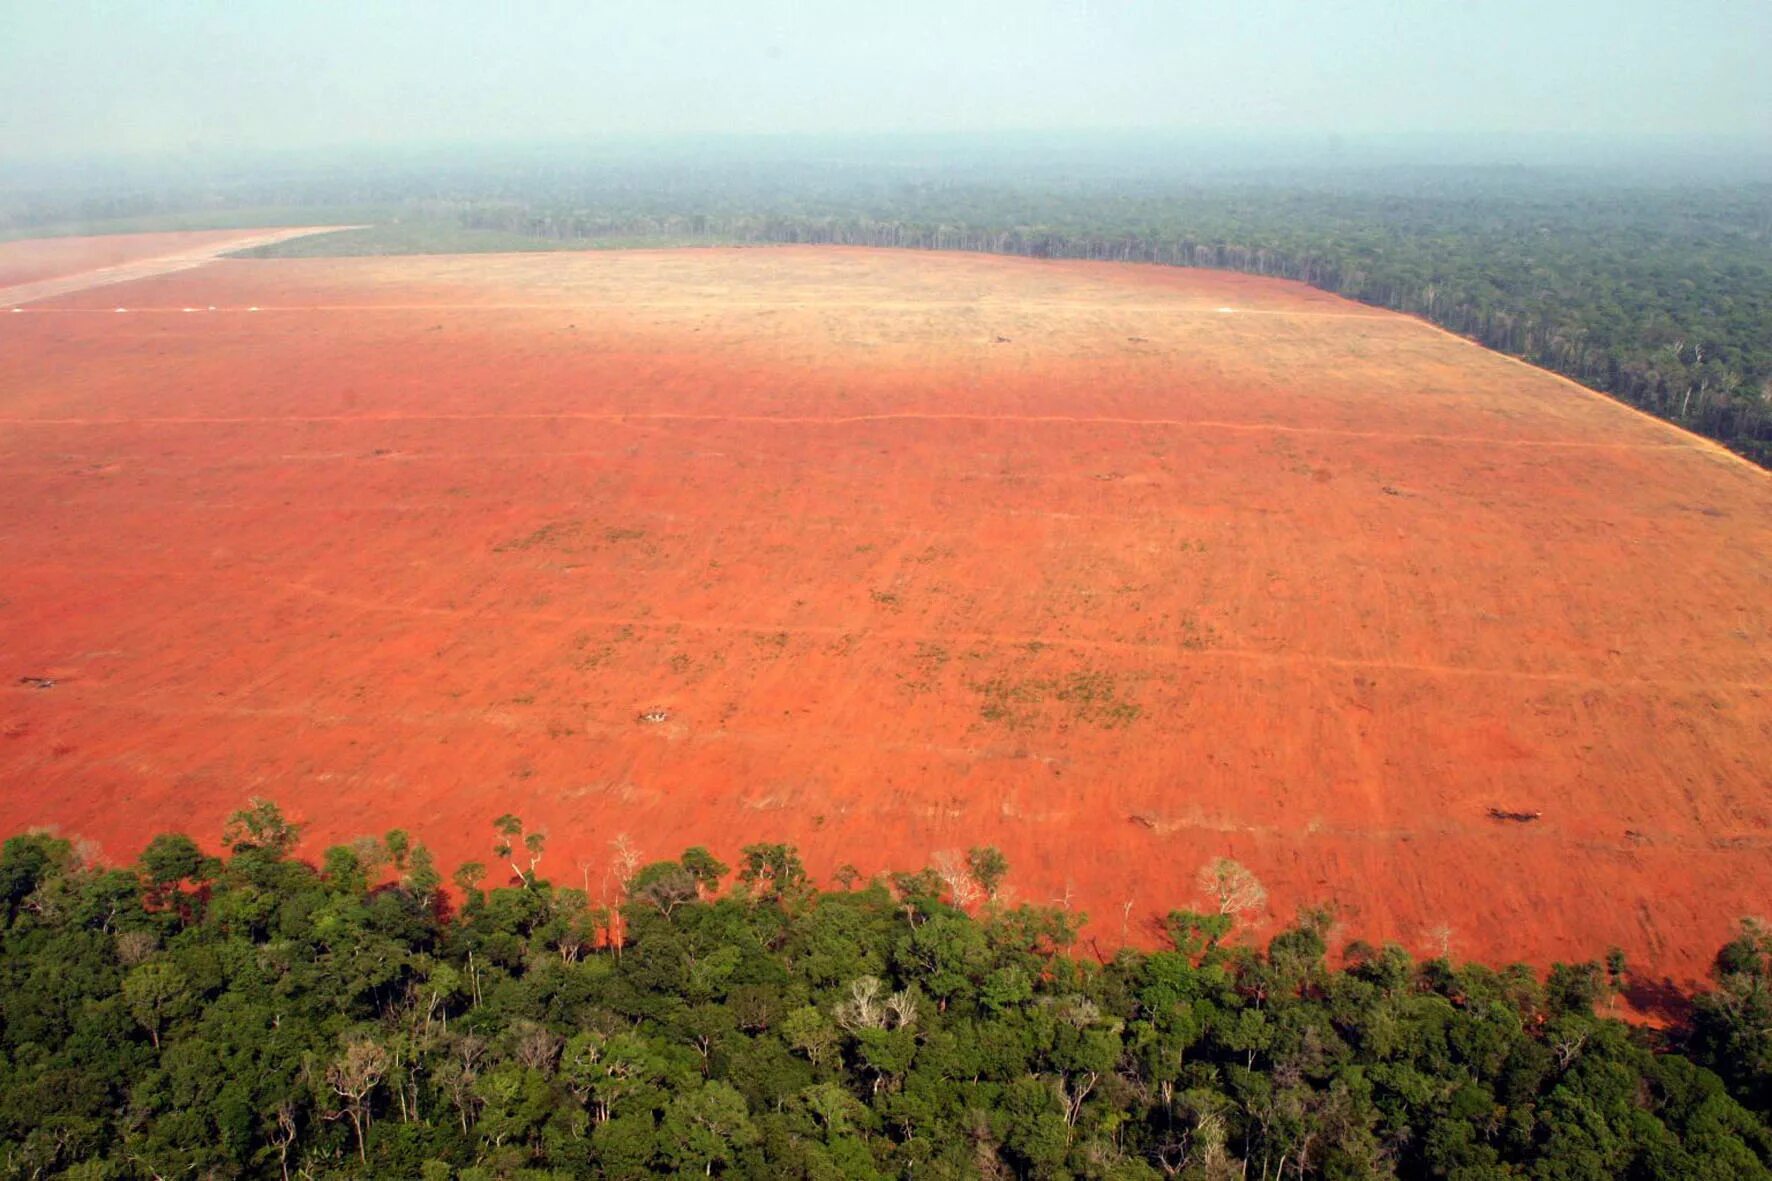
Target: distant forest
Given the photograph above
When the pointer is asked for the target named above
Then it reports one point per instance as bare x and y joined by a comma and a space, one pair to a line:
256, 1015
1654, 289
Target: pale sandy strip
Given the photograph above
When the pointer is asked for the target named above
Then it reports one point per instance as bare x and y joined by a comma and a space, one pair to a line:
146, 268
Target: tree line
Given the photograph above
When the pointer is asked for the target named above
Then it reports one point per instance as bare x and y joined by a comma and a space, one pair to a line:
251, 1014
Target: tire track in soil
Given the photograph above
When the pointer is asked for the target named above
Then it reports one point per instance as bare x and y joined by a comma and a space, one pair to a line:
1742, 842
1011, 640
862, 420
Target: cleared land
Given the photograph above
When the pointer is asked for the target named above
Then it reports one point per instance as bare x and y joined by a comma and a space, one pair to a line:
35, 269
1117, 568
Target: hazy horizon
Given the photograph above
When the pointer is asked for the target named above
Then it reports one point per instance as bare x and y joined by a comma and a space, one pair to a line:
187, 79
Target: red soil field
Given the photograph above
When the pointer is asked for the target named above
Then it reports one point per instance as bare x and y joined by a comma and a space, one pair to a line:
1117, 568
35, 268
31, 259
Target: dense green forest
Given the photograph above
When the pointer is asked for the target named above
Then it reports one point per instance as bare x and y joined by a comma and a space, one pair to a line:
1651, 282
253, 1015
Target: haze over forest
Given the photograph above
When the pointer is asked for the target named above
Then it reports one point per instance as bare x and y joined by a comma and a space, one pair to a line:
1509, 80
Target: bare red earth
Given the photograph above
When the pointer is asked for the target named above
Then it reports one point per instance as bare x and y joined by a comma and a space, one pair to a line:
1117, 568
32, 259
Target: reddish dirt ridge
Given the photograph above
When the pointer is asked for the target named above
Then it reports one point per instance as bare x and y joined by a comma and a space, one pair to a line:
1120, 569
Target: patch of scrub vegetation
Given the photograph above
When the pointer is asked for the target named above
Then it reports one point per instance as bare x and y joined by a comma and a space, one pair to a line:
934, 553
773, 643
567, 534
555, 535
585, 657
929, 659
1092, 697
1008, 701
1197, 636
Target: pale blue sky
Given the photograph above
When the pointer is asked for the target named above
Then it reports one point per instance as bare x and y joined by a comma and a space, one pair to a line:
173, 75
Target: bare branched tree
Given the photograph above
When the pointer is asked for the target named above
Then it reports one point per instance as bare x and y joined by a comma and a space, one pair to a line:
865, 1008
625, 862
957, 876
286, 1133
353, 1077
1232, 886
134, 947
458, 1074
535, 1046
901, 1009
371, 854
1568, 1048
